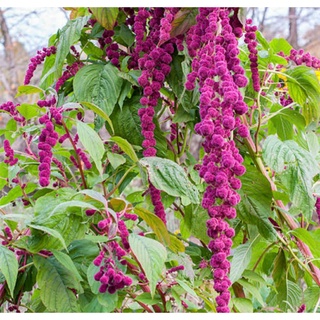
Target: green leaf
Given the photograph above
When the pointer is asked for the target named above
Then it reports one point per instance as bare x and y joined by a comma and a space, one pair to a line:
50, 231
243, 305
289, 295
126, 147
311, 297
280, 45
72, 203
168, 176
94, 195
94, 285
252, 289
107, 17
256, 199
155, 223
151, 255
241, 259
109, 301
99, 112
67, 262
55, 283
262, 40
186, 287
147, 299
9, 267
115, 159
92, 143
69, 34
28, 89
98, 84
297, 168
304, 88
28, 111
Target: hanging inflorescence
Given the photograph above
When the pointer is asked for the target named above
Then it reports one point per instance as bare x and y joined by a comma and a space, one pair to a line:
214, 47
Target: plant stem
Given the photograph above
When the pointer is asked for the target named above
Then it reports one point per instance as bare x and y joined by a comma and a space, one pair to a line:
26, 266
119, 183
315, 272
262, 254
77, 156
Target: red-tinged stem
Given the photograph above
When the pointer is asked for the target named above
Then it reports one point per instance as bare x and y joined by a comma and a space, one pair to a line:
315, 272
77, 156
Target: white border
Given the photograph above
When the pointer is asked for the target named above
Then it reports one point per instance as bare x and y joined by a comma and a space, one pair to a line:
164, 3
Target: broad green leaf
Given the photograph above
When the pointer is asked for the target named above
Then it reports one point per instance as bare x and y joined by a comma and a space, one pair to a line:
28, 111
115, 159
99, 112
169, 177
73, 203
55, 283
176, 245
127, 125
28, 89
91, 271
262, 40
289, 295
147, 299
67, 262
109, 301
126, 147
243, 305
252, 289
256, 199
280, 267
50, 231
69, 34
297, 168
280, 45
107, 17
12, 195
183, 20
97, 239
311, 297
186, 287
304, 88
155, 223
151, 255
98, 84
94, 306
241, 259
94, 195
92, 143
9, 267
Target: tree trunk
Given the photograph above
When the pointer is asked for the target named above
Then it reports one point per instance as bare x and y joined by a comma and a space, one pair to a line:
293, 28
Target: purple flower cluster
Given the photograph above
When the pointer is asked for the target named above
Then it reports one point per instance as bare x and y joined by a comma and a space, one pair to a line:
318, 207
68, 73
124, 234
175, 269
299, 57
47, 140
9, 154
130, 216
11, 108
155, 195
165, 26
302, 308
217, 69
111, 48
110, 277
35, 61
250, 40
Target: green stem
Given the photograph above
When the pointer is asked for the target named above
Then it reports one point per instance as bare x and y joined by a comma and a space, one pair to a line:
25, 266
77, 156
185, 139
119, 183
288, 219
262, 255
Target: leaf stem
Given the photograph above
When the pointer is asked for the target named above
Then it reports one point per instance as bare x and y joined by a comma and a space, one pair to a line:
119, 183
77, 155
